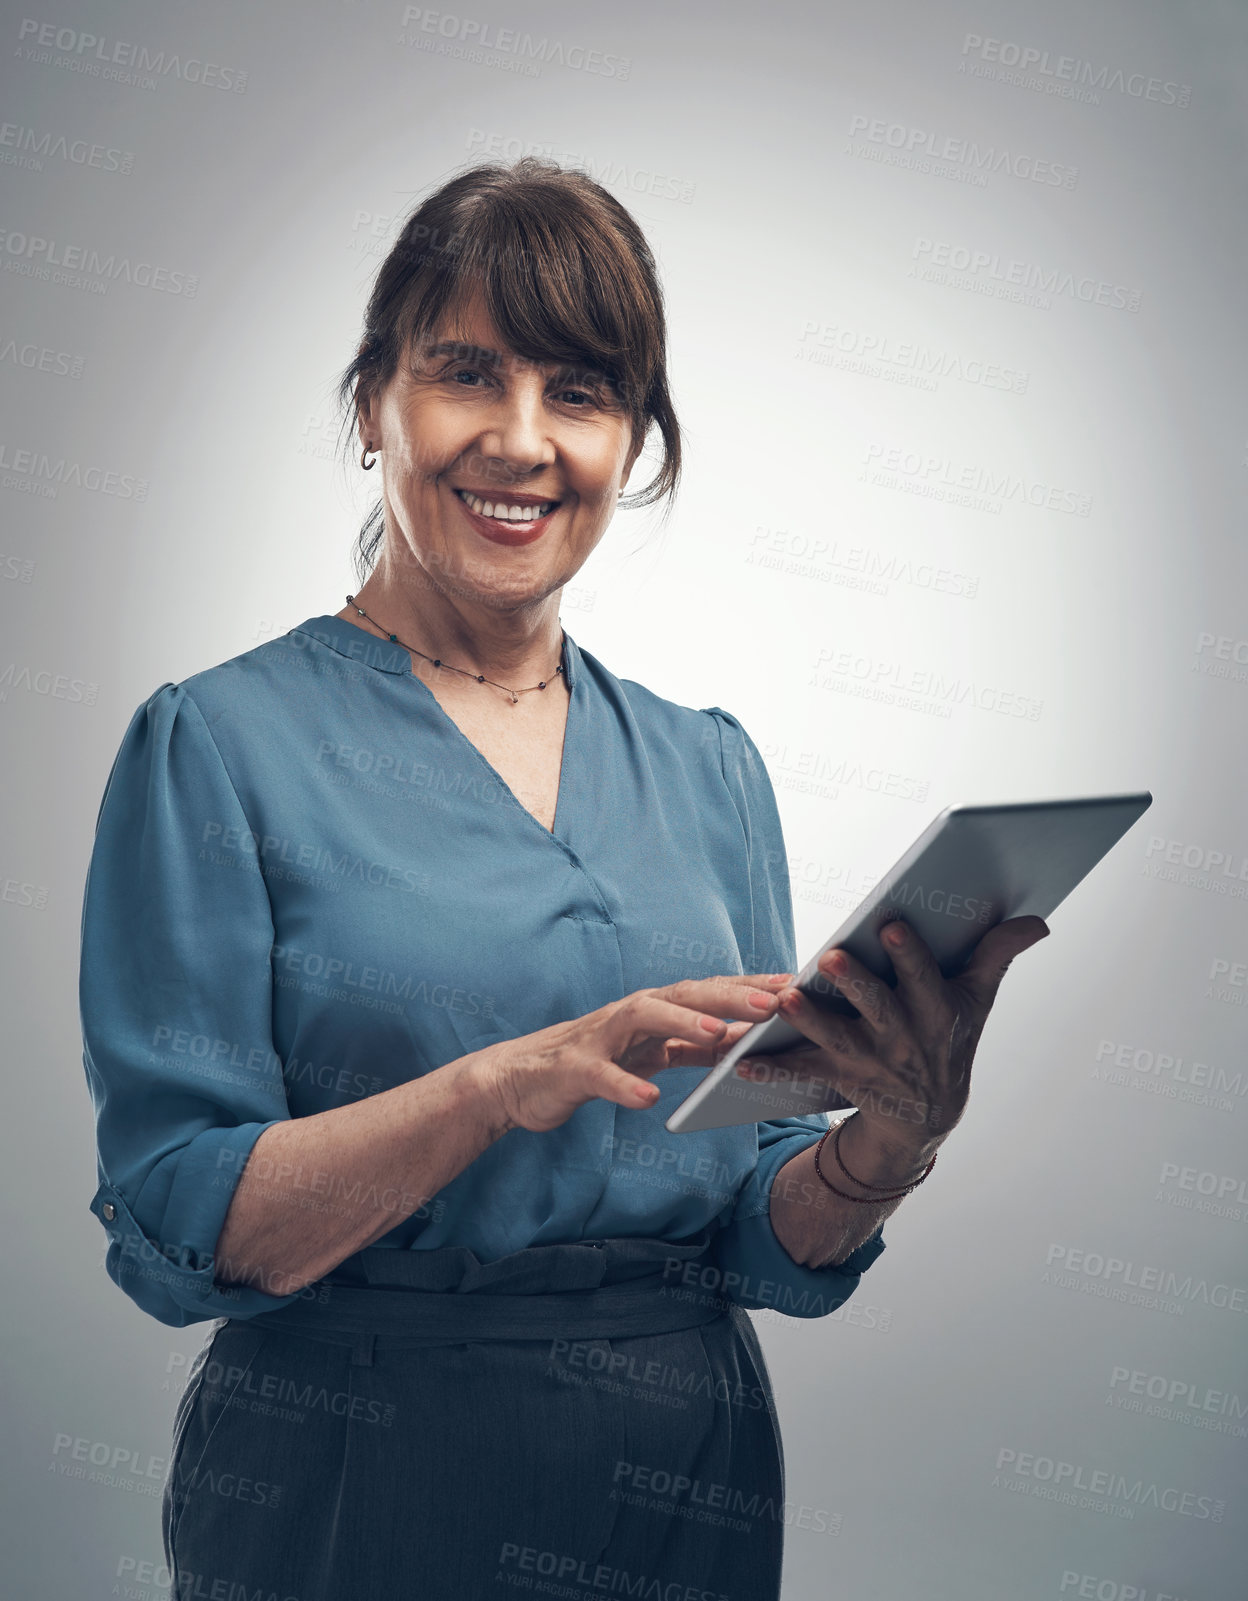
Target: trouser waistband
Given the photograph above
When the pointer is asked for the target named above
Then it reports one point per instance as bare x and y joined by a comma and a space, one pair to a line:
401, 1314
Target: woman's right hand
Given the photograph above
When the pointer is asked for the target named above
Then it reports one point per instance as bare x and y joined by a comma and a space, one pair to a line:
538, 1080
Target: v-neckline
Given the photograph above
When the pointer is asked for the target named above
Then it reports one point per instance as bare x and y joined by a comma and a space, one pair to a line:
560, 791
553, 831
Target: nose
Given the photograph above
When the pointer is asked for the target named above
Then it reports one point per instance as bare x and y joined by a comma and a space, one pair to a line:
515, 440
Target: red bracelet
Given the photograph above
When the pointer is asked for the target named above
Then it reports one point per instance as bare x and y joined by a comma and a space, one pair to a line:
862, 1200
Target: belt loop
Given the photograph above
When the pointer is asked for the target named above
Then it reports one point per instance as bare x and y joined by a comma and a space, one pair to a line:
362, 1350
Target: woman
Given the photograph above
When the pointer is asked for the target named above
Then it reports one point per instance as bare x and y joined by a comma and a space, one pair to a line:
385, 947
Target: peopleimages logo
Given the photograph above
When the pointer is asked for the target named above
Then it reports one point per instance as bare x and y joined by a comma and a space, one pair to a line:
856, 349
1178, 1400
1217, 1194
38, 473
817, 772
1221, 656
978, 161
208, 1586
41, 358
84, 267
60, 686
1196, 866
33, 148
1092, 1587
471, 37
1163, 1073
857, 566
1234, 992
994, 486
1100, 1489
941, 262
1071, 1267
1072, 70
914, 689
706, 1496
119, 61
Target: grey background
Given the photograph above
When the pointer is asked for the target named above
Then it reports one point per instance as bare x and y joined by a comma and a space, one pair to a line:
764, 151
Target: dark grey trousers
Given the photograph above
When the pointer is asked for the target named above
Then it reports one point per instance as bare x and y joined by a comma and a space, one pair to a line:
575, 1420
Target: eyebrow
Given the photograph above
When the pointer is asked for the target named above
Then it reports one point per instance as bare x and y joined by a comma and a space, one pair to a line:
463, 349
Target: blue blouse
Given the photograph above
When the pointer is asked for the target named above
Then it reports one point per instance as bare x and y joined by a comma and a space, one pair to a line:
308, 885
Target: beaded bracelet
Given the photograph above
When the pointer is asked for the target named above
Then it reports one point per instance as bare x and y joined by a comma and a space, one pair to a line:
862, 1200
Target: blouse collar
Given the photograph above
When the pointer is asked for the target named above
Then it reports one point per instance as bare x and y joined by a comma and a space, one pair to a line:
352, 641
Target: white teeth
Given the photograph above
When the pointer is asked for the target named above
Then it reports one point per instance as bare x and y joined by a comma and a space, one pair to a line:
503, 513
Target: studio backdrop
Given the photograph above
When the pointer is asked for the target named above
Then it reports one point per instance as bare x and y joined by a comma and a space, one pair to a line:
956, 299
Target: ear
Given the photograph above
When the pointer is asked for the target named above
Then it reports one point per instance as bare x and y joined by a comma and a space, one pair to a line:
366, 417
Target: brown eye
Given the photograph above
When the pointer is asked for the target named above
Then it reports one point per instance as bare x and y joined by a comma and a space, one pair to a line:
581, 390
467, 372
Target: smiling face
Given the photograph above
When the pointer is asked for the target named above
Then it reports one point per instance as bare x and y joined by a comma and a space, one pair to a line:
500, 475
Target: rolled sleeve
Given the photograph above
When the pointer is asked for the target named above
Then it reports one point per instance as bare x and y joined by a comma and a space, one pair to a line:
756, 1269
175, 995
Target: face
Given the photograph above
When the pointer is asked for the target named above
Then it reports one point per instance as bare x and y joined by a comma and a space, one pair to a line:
499, 475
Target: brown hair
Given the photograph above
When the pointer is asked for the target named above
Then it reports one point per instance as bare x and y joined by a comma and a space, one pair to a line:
565, 274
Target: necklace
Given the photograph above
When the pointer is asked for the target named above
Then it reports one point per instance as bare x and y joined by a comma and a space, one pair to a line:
437, 662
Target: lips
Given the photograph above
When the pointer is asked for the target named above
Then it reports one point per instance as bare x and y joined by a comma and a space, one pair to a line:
506, 530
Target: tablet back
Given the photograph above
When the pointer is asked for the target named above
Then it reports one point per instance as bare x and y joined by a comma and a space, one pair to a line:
973, 867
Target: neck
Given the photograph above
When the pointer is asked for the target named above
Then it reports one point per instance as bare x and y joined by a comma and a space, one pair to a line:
514, 645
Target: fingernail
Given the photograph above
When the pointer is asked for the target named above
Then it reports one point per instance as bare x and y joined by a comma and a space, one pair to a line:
712, 1025
760, 1000
896, 935
789, 1002
834, 962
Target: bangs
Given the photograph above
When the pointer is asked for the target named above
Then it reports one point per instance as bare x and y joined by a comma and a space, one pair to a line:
549, 286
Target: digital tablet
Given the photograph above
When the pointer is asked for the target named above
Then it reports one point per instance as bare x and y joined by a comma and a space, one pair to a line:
973, 867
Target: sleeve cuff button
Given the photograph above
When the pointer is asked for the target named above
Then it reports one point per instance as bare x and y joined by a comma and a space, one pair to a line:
108, 1211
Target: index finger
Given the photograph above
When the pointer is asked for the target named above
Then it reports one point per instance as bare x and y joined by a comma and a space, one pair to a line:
731, 982
982, 975
737, 995
918, 974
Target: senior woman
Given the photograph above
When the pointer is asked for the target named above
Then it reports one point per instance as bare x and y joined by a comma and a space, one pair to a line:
381, 1031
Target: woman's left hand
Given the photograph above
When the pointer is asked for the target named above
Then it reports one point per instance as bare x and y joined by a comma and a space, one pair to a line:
905, 1060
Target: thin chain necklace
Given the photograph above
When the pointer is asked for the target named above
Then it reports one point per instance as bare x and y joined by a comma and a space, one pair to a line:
437, 662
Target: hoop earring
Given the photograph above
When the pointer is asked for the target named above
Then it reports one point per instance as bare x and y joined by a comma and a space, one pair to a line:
368, 465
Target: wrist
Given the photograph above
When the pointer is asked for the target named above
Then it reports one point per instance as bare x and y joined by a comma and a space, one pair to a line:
881, 1157
476, 1087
